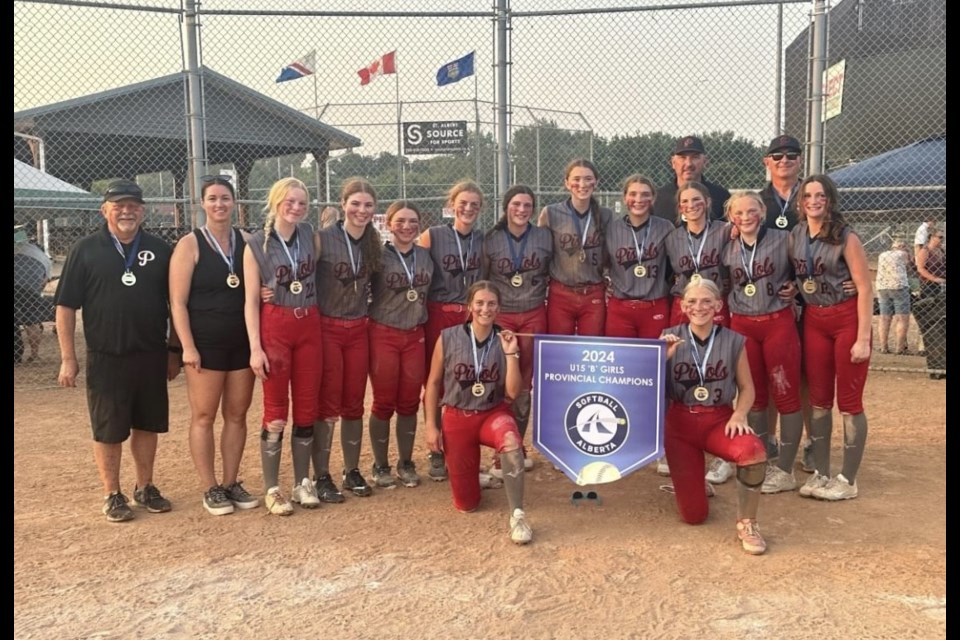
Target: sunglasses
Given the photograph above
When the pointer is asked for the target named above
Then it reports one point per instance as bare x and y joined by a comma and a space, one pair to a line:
777, 157
220, 177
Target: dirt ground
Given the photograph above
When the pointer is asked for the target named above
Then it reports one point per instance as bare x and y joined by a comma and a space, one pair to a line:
404, 564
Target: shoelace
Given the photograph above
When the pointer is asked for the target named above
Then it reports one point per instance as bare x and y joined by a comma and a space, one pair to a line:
219, 495
117, 500
237, 490
151, 493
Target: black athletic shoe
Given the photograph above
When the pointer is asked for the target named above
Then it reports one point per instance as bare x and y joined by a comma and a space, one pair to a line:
327, 490
149, 498
438, 467
355, 482
116, 509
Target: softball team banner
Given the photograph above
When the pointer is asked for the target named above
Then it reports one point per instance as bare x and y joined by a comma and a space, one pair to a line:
598, 404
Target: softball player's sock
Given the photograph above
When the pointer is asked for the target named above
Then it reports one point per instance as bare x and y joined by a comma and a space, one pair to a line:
271, 445
406, 429
749, 480
351, 437
854, 441
521, 412
379, 440
301, 447
511, 462
821, 424
791, 432
322, 443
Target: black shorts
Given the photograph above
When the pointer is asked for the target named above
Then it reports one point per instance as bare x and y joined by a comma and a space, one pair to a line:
127, 392
224, 359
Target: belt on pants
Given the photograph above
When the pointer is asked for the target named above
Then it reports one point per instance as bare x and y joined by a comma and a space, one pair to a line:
453, 308
761, 318
637, 304
702, 408
297, 312
581, 290
342, 322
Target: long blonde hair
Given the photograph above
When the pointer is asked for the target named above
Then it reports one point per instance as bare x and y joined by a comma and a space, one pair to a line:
278, 193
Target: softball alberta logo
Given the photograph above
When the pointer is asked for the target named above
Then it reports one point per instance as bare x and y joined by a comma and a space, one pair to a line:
597, 425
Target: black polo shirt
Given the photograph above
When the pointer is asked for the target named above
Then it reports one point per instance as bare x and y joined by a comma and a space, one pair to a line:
773, 202
665, 206
118, 319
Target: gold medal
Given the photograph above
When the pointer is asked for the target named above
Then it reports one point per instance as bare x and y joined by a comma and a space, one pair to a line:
412, 295
701, 393
128, 278
296, 287
477, 389
583, 255
516, 280
696, 278
233, 281
640, 271
750, 289
781, 221
810, 285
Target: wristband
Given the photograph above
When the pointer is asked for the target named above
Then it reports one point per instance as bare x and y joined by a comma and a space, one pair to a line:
515, 354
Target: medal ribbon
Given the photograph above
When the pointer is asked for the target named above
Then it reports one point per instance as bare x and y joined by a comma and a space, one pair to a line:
785, 204
478, 362
517, 258
228, 259
460, 253
295, 258
639, 247
354, 265
701, 364
128, 260
403, 263
582, 233
808, 271
748, 264
696, 253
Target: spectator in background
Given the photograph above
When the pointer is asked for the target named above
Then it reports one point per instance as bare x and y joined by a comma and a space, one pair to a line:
932, 265
329, 216
688, 161
31, 273
893, 292
923, 234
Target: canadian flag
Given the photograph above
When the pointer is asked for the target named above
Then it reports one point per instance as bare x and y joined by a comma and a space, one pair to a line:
385, 64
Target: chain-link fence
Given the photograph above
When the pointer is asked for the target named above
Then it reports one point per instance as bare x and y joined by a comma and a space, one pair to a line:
157, 89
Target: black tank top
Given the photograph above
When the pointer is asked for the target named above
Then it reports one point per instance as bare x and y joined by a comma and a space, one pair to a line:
216, 310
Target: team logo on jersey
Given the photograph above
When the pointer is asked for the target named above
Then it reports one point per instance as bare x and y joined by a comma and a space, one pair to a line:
146, 256
596, 424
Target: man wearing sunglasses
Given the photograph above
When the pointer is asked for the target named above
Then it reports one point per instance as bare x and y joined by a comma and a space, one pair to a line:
783, 160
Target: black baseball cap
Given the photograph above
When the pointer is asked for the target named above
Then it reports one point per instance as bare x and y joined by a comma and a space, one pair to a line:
688, 144
123, 190
784, 143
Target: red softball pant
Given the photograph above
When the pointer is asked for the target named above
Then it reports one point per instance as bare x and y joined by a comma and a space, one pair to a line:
677, 316
533, 321
396, 370
291, 339
463, 432
773, 350
576, 311
440, 315
688, 433
828, 335
346, 349
637, 318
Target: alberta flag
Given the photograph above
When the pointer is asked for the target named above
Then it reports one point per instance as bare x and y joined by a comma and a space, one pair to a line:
456, 70
305, 66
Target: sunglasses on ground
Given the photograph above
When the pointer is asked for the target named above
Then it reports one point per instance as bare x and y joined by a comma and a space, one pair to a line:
777, 157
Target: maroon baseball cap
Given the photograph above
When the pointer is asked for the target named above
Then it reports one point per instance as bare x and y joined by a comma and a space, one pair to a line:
784, 143
688, 144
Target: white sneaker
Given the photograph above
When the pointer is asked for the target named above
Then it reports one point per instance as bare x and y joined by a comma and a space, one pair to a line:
305, 494
814, 482
838, 488
276, 503
778, 480
719, 471
663, 469
520, 531
488, 481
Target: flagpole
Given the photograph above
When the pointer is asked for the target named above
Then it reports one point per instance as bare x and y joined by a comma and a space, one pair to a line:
476, 114
401, 179
316, 94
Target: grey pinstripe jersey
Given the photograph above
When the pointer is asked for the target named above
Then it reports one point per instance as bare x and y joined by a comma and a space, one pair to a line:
719, 370
459, 373
532, 263
829, 271
622, 241
390, 286
771, 269
682, 257
566, 266
276, 273
450, 279
341, 293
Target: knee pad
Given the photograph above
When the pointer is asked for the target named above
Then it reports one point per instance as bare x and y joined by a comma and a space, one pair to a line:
303, 432
752, 475
271, 436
